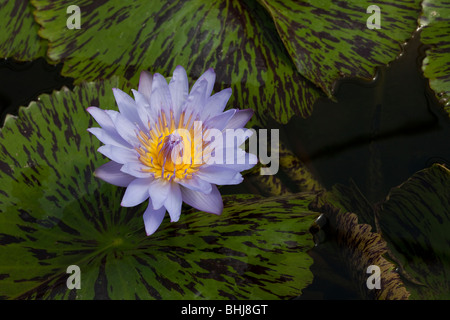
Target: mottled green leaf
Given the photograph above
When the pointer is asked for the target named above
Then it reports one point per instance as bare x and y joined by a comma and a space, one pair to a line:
19, 37
351, 199
54, 213
236, 38
292, 176
328, 40
266, 185
415, 222
359, 248
296, 171
435, 21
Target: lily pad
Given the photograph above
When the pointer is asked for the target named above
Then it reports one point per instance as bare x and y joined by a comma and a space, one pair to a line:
351, 199
55, 214
436, 33
328, 40
238, 39
415, 222
292, 176
359, 248
19, 38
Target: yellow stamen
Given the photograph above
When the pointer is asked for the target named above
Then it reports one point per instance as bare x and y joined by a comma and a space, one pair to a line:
169, 150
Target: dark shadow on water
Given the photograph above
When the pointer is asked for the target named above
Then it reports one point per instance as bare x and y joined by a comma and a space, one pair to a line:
23, 82
378, 133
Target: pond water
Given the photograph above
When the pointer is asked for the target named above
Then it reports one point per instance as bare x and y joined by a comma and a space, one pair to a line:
379, 132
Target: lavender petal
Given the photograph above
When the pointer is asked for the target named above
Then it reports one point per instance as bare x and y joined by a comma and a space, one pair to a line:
136, 192
211, 202
110, 172
153, 218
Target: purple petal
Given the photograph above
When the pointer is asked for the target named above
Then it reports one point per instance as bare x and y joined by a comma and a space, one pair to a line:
220, 121
158, 191
240, 119
136, 192
196, 99
102, 118
153, 218
135, 169
145, 84
216, 103
160, 98
211, 202
196, 184
173, 202
238, 160
210, 77
105, 119
219, 175
145, 113
126, 129
234, 138
141, 100
119, 154
179, 89
113, 115
109, 137
127, 106
110, 172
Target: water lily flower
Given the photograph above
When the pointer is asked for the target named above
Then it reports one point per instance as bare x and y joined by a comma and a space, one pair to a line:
170, 145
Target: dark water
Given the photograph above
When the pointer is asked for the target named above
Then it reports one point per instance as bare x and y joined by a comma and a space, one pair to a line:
23, 82
378, 134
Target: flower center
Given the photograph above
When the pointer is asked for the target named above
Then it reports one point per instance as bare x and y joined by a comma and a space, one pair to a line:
170, 150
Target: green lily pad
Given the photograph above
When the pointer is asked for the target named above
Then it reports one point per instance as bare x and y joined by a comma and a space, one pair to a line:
415, 222
55, 214
19, 38
237, 39
328, 40
436, 33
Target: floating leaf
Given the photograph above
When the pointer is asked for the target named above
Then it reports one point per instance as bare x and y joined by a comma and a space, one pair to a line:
266, 185
436, 33
351, 199
55, 214
415, 222
292, 176
19, 38
237, 39
328, 40
359, 248
296, 171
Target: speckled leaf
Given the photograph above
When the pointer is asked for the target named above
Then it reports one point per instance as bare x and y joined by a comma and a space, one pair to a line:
359, 247
296, 171
54, 214
351, 199
46, 158
435, 20
19, 37
292, 176
415, 221
328, 40
236, 38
